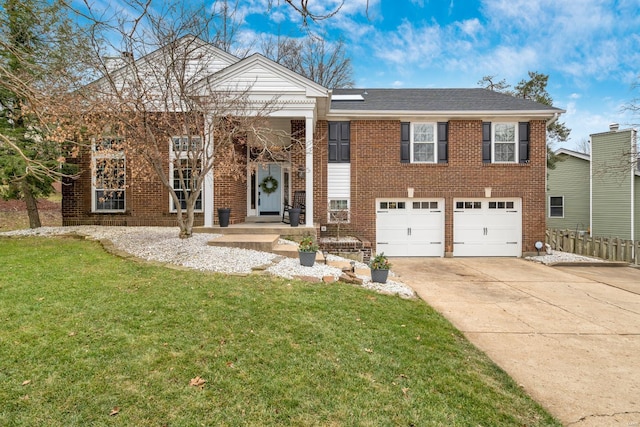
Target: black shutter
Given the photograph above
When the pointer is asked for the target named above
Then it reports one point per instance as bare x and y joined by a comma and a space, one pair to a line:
486, 142
443, 139
344, 146
334, 131
339, 142
405, 142
523, 141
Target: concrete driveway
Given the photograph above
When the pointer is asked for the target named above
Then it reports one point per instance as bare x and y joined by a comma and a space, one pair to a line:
569, 335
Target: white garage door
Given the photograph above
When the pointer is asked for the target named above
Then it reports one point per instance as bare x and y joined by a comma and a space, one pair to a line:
487, 227
410, 227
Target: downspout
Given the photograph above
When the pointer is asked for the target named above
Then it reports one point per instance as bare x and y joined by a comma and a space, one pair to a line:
553, 119
634, 151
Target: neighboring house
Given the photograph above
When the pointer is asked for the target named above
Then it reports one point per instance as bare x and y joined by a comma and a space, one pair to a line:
568, 187
600, 192
417, 172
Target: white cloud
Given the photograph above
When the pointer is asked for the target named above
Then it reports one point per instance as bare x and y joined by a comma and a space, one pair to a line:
470, 27
409, 45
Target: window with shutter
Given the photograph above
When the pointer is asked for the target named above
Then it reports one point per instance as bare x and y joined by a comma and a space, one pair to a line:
423, 142
505, 142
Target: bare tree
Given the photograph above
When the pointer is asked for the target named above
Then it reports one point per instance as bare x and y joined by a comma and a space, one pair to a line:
584, 146
161, 110
488, 82
302, 7
313, 57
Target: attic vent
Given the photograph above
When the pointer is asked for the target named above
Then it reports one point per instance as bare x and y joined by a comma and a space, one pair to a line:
354, 97
613, 127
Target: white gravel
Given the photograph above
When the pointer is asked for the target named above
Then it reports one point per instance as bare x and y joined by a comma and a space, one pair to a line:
558, 256
162, 244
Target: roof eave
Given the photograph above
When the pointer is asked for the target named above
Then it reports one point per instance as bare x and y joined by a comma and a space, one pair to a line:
542, 114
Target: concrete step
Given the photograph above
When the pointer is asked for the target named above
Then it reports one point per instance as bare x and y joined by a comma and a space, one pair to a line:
258, 242
291, 251
258, 228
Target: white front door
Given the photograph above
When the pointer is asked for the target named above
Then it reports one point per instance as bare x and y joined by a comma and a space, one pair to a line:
269, 189
487, 227
410, 227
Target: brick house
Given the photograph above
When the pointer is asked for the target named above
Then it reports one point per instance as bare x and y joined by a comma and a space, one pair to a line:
417, 172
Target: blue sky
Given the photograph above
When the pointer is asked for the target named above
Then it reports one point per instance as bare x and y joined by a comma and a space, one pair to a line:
589, 48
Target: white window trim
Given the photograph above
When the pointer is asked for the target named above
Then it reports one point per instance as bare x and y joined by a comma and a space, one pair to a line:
95, 155
435, 142
331, 211
182, 155
549, 213
515, 142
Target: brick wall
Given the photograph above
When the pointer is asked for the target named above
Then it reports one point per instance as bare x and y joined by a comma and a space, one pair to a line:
376, 172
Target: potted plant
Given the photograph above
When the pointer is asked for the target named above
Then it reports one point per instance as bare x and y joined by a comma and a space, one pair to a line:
307, 251
379, 266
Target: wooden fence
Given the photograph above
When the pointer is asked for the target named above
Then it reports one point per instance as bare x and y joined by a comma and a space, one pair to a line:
612, 249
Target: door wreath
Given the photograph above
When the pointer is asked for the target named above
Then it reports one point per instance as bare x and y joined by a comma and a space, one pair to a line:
269, 184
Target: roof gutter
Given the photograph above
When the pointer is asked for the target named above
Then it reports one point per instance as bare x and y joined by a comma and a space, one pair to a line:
442, 113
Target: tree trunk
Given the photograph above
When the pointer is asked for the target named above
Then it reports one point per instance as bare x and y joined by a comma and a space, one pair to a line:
32, 205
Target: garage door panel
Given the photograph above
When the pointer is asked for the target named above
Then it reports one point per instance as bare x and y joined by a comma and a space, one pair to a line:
393, 248
410, 228
487, 227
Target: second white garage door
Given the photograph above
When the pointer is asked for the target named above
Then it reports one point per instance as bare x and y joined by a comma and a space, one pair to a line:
487, 227
410, 227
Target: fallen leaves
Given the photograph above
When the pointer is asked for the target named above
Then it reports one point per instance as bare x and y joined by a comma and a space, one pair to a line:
197, 382
115, 411
26, 382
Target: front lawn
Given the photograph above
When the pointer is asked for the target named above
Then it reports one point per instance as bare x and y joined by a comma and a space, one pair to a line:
91, 339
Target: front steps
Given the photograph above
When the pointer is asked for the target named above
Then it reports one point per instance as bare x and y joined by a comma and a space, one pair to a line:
259, 242
259, 228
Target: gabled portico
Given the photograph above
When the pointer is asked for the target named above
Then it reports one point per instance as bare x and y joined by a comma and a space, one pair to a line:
295, 103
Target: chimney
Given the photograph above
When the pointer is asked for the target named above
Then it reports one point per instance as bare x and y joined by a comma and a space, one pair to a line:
613, 127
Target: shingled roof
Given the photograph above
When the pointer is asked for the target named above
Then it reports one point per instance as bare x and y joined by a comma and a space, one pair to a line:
433, 100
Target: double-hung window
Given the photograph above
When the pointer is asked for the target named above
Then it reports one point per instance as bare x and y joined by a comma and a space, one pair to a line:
505, 142
108, 163
556, 207
339, 211
423, 143
185, 167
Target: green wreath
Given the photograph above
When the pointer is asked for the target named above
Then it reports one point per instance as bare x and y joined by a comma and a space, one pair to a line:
269, 185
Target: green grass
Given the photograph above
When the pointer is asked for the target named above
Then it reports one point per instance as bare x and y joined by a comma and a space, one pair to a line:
90, 332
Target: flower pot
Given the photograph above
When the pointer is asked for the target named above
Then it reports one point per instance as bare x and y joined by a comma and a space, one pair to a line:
294, 216
223, 216
379, 276
307, 259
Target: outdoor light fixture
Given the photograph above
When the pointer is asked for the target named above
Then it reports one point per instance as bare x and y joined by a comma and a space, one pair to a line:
410, 192
301, 172
538, 246
487, 192
324, 254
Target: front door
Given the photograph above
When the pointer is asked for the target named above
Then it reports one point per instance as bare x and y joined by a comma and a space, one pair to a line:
269, 189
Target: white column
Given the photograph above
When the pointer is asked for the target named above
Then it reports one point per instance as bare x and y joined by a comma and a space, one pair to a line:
208, 199
207, 190
309, 169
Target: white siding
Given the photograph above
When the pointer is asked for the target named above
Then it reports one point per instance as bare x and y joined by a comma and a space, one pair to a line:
260, 79
339, 180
